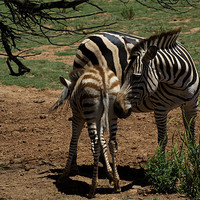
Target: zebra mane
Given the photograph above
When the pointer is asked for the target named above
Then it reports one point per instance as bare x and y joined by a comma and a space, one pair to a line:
75, 74
164, 40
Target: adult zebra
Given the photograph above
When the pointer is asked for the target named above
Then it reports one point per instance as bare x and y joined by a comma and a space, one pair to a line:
171, 67
160, 76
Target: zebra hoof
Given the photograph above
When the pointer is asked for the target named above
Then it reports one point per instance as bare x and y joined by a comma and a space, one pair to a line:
74, 170
62, 178
92, 191
117, 188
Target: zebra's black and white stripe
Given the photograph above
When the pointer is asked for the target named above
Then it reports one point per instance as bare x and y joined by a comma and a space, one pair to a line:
92, 93
106, 49
172, 81
161, 72
161, 75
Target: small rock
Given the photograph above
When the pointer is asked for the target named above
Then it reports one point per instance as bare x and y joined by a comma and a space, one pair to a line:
134, 191
43, 117
136, 187
39, 101
27, 167
12, 161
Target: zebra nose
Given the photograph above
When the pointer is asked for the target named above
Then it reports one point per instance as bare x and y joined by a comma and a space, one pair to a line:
120, 112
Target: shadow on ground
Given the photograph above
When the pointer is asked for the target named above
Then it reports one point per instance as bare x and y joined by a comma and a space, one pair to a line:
75, 187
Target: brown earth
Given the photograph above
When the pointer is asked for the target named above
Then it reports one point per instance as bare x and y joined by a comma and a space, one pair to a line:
34, 146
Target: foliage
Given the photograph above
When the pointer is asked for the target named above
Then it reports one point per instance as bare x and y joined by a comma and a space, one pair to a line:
190, 166
31, 19
128, 13
162, 172
178, 6
143, 24
165, 170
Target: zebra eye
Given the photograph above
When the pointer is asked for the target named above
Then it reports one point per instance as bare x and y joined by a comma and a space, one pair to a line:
136, 76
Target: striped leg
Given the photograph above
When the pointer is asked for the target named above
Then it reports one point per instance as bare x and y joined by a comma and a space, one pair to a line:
113, 151
161, 121
95, 147
104, 154
189, 113
77, 125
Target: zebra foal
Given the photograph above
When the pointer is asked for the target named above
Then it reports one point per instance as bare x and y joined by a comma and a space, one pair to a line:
92, 93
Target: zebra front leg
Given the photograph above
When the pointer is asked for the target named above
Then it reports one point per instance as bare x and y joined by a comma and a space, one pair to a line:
189, 114
95, 147
77, 125
161, 121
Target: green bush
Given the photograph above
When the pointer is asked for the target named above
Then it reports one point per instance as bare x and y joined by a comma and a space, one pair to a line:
128, 13
165, 170
190, 167
162, 172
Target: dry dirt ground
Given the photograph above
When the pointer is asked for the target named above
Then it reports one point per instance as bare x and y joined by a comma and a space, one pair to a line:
34, 146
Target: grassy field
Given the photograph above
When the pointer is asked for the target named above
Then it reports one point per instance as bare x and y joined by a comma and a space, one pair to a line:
131, 18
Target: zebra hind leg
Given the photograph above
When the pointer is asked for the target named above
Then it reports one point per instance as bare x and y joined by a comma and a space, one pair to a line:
77, 125
112, 145
74, 167
113, 151
104, 157
95, 147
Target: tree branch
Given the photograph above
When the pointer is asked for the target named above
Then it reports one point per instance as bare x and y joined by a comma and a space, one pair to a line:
29, 19
5, 35
33, 7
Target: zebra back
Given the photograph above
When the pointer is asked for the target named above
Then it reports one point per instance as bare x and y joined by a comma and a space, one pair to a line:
105, 49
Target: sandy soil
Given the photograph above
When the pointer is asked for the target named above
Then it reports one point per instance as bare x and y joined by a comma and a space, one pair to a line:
34, 146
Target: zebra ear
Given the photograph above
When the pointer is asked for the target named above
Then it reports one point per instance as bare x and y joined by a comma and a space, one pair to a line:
150, 54
65, 82
129, 45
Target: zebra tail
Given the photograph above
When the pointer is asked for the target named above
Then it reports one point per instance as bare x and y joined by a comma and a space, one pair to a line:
64, 95
105, 120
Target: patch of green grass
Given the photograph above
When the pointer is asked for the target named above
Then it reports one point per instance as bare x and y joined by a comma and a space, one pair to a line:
162, 172
43, 74
135, 19
165, 170
67, 52
128, 13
